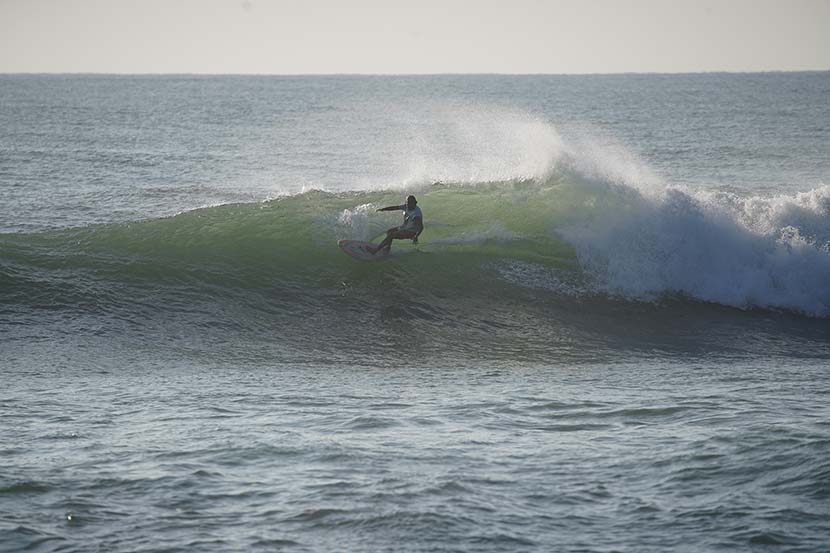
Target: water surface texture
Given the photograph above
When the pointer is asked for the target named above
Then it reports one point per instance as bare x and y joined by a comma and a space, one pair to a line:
614, 334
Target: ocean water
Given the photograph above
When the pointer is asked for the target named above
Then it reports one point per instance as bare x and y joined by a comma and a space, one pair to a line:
614, 334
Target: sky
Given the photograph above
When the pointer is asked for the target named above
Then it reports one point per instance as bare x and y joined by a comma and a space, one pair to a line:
412, 37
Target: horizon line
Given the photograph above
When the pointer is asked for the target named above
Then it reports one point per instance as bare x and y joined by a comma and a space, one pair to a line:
439, 74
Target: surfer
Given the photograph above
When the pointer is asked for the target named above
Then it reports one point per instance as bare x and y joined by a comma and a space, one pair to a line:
413, 224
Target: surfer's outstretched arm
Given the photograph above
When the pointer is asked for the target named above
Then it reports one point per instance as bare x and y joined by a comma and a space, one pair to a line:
392, 208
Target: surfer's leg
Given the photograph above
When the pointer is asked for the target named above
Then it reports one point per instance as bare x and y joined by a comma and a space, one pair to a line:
387, 242
393, 234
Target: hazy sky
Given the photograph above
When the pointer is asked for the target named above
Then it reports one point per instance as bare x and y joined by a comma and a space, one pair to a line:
419, 36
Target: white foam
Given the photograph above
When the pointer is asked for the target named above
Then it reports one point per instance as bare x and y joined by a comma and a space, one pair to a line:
357, 223
738, 251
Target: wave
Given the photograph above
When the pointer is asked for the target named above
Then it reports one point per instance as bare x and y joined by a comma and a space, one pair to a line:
566, 233
585, 220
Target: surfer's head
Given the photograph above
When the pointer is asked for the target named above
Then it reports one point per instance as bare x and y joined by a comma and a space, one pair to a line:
411, 202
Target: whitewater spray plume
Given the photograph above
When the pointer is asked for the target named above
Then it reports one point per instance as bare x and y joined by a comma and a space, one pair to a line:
465, 144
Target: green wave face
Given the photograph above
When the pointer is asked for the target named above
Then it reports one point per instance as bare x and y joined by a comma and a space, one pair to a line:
292, 242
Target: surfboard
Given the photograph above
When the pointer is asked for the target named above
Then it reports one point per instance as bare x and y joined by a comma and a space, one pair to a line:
362, 250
